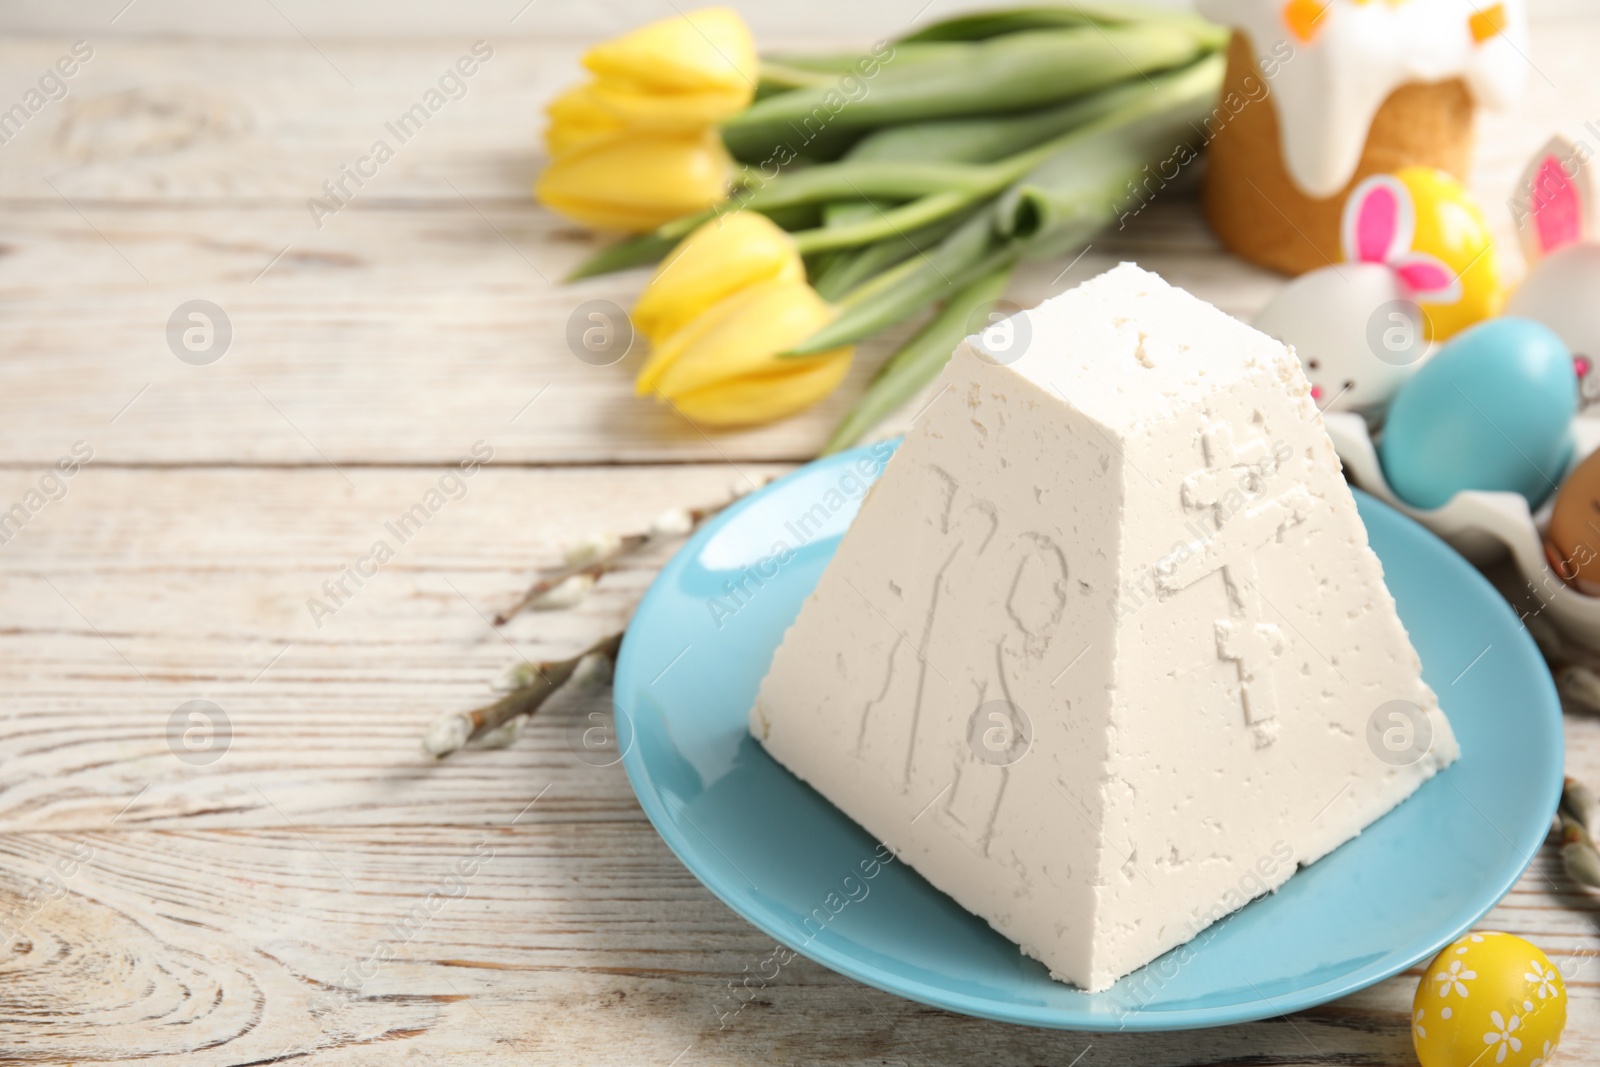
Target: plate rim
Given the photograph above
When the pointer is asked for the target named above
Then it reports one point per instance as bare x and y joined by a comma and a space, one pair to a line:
1135, 1020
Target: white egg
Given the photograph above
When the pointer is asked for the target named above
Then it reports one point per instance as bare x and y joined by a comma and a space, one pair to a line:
1357, 335
1563, 292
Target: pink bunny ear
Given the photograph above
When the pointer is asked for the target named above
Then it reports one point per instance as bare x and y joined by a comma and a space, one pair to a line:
1379, 221
1551, 207
1429, 278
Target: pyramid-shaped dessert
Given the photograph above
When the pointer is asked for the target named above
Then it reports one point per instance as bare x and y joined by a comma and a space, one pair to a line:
1105, 653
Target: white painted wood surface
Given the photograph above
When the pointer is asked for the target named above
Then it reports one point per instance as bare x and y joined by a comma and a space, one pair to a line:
225, 914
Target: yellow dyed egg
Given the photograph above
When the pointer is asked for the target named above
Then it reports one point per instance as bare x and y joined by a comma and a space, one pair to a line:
1451, 226
1489, 1000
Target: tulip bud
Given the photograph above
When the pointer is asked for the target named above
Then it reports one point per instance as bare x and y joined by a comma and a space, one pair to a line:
637, 183
741, 335
767, 398
723, 368
590, 114
638, 146
722, 257
577, 121
706, 49
669, 112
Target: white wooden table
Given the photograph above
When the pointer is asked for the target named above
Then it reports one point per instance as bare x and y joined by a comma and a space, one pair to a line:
293, 897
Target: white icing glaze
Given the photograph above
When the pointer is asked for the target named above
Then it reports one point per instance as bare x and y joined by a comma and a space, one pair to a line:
1328, 90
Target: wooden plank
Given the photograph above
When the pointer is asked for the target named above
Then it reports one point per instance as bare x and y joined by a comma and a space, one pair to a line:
139, 590
404, 336
543, 941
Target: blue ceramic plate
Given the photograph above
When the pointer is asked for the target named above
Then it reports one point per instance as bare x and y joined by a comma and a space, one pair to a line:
774, 850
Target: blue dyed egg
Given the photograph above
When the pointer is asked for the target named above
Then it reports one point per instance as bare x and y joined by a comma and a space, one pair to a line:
1491, 410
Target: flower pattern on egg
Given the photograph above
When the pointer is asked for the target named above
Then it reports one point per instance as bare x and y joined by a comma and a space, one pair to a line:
1502, 1035
1455, 979
1544, 978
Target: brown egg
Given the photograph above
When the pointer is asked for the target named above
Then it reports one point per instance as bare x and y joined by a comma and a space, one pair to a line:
1572, 544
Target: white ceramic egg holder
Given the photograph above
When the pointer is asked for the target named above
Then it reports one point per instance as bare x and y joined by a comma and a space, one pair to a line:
1485, 526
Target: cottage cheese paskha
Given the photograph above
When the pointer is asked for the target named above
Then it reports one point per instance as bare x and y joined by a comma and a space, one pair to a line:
1102, 654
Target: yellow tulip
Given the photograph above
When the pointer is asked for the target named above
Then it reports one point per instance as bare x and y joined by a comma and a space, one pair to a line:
578, 120
720, 258
589, 114
1451, 226
637, 183
637, 146
702, 50
766, 397
666, 350
668, 112
722, 367
738, 335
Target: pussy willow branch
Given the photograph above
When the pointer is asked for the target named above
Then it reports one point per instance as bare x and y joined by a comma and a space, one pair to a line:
597, 556
1578, 853
540, 681
534, 683
550, 579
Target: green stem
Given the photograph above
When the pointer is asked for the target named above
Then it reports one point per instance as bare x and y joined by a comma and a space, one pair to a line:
892, 180
866, 64
1091, 181
847, 212
875, 287
1108, 152
970, 183
920, 360
1008, 73
778, 76
895, 223
902, 291
988, 138
982, 25
853, 267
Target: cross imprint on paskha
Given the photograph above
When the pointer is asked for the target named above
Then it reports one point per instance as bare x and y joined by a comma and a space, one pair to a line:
1237, 533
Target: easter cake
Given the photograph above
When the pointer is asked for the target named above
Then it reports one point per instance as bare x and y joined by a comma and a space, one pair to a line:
1105, 653
1320, 94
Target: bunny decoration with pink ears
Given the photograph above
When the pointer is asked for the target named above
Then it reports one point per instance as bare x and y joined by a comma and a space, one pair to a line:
1356, 326
1555, 214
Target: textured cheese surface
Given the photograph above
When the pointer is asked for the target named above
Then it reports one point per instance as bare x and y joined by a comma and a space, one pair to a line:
1100, 654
